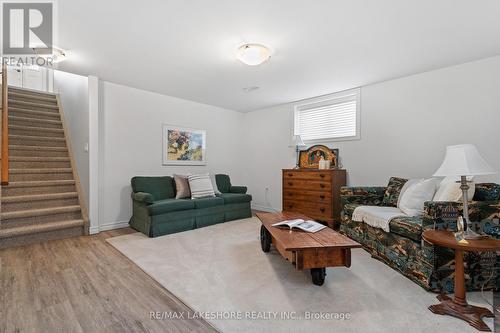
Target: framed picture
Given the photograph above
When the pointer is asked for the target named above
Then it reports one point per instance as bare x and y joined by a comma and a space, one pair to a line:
309, 159
184, 146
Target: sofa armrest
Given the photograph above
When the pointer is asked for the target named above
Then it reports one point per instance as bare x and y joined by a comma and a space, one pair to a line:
238, 189
144, 197
365, 195
484, 216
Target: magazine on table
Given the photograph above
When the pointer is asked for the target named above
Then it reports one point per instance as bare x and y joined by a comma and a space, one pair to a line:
309, 226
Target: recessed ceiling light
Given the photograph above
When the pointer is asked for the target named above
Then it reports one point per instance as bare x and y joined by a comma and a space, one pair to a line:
250, 89
253, 54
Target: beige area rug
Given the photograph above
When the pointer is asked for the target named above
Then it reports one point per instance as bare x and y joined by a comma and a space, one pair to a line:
221, 269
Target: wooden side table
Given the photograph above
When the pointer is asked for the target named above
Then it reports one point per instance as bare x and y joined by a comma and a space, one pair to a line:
458, 307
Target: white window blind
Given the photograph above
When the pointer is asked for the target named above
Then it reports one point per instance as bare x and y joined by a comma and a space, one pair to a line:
332, 119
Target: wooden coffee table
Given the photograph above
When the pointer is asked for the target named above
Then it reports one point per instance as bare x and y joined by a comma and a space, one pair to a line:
458, 306
314, 251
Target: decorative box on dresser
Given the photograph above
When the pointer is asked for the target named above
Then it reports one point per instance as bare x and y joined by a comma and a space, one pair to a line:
315, 193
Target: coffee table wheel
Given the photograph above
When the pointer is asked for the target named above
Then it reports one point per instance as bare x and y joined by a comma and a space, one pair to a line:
265, 239
318, 276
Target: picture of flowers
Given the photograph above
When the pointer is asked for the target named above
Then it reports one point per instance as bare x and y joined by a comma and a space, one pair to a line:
183, 146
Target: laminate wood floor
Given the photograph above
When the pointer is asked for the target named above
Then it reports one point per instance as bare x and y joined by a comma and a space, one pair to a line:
83, 284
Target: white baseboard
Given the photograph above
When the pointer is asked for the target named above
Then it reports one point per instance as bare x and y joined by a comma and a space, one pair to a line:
108, 226
263, 208
94, 230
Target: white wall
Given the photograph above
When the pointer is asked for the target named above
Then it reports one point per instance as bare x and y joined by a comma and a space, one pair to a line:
131, 143
405, 126
73, 90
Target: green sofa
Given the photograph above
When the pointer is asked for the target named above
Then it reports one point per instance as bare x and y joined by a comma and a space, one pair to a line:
156, 212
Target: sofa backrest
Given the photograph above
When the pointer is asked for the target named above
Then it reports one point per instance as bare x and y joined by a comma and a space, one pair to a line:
159, 187
487, 192
223, 183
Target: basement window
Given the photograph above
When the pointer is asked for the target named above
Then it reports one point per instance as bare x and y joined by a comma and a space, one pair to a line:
332, 118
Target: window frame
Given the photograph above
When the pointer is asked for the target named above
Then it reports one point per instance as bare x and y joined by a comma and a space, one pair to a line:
324, 99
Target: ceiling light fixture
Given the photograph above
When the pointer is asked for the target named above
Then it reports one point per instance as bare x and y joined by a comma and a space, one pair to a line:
57, 54
253, 54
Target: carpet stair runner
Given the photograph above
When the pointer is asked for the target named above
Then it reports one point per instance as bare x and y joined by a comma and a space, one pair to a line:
41, 201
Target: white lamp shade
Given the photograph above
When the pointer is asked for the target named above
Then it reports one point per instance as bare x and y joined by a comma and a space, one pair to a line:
297, 141
463, 160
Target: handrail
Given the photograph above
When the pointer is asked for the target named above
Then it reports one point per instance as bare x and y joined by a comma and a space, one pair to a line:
5, 127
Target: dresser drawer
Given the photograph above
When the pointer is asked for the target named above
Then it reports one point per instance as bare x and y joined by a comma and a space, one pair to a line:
308, 208
307, 185
308, 175
313, 196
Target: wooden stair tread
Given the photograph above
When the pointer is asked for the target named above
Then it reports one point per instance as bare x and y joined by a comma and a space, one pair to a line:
34, 112
39, 212
39, 197
35, 120
39, 183
21, 90
42, 171
44, 148
32, 104
35, 129
37, 138
15, 95
39, 228
39, 159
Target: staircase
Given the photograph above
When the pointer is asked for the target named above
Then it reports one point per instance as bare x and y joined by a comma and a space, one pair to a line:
43, 198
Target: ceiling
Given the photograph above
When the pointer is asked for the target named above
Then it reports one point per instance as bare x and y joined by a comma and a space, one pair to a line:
186, 48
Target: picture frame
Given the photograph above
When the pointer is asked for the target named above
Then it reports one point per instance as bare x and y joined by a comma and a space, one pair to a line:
184, 146
309, 158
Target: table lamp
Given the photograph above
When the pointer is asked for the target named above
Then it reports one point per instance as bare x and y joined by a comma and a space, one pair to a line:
297, 143
464, 160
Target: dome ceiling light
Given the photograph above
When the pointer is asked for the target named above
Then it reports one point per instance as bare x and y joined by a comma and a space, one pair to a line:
253, 54
57, 54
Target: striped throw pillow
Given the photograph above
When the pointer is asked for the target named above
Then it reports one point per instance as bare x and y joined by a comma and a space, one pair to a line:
201, 186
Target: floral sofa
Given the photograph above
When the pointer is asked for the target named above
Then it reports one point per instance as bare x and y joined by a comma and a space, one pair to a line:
403, 248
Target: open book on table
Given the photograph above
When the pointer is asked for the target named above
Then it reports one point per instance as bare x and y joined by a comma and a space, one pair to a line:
309, 226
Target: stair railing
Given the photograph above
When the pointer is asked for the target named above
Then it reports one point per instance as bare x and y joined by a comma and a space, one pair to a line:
5, 126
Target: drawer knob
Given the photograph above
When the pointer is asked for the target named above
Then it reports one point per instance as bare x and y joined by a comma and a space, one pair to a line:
322, 196
322, 210
290, 183
290, 175
290, 206
322, 185
322, 175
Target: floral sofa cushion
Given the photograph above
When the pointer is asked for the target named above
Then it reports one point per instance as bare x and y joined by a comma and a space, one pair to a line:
410, 227
392, 191
487, 192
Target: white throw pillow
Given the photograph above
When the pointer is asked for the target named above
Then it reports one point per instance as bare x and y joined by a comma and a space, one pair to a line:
449, 190
413, 199
214, 183
405, 187
201, 186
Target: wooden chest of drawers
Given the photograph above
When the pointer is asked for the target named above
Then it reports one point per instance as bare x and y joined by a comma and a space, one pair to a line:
315, 193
